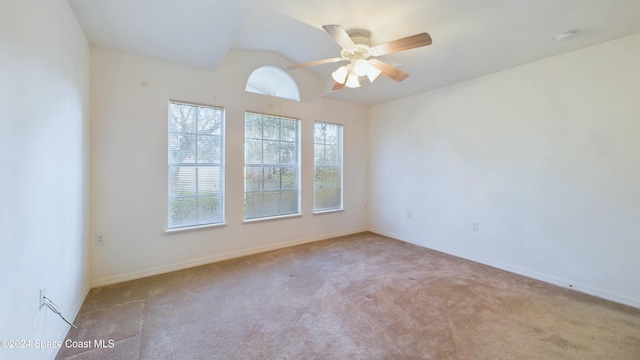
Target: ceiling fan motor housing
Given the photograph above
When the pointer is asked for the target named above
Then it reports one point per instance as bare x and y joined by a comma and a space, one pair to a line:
356, 49
360, 51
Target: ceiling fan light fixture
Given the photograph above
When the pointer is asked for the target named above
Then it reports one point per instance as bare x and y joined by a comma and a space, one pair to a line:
373, 73
361, 67
356, 50
352, 81
340, 75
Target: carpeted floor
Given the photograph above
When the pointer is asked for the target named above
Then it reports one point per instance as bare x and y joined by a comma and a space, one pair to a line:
363, 296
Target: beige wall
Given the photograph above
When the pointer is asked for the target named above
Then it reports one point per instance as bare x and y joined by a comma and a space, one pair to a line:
545, 157
44, 148
129, 97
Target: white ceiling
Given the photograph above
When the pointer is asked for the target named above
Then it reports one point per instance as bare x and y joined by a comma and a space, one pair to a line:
471, 38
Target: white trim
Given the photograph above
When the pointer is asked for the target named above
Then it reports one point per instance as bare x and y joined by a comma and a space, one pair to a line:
271, 218
328, 211
514, 269
197, 227
107, 280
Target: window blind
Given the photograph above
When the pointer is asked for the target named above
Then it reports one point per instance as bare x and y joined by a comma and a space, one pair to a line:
195, 161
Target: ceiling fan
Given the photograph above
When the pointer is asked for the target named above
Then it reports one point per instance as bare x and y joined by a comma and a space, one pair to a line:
356, 50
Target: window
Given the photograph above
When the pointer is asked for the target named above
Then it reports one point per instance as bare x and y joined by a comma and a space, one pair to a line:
272, 81
196, 166
328, 166
271, 166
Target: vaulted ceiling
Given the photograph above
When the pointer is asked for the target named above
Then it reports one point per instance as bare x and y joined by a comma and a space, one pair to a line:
471, 38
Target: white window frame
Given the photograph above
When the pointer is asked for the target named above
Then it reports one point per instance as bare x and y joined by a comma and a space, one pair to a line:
196, 162
273, 81
264, 179
322, 161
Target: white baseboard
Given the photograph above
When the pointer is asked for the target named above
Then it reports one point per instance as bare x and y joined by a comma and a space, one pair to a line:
236, 254
108, 280
520, 271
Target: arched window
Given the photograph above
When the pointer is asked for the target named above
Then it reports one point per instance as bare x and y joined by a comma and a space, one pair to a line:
272, 81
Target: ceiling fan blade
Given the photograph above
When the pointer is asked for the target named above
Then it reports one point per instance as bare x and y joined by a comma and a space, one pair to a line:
409, 42
389, 71
317, 62
337, 86
339, 35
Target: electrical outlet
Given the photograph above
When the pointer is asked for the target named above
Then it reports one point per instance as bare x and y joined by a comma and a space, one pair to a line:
43, 293
475, 226
100, 240
409, 214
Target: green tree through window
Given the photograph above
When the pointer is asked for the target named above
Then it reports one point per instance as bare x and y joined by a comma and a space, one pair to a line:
327, 166
196, 143
271, 165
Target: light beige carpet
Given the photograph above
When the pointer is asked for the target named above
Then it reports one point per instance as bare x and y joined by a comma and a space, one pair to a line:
363, 296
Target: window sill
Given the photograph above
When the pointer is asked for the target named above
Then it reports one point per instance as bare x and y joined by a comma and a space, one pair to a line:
271, 218
327, 211
190, 228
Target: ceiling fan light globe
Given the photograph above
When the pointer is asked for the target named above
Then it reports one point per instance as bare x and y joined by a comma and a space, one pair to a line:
352, 81
340, 75
373, 73
361, 67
